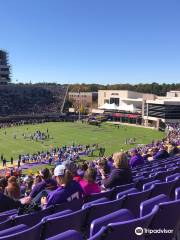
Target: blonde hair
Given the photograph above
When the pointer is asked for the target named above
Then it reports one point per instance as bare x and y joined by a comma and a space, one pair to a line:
120, 160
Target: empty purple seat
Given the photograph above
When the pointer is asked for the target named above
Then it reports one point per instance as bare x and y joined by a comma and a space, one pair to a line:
120, 215
100, 209
141, 182
121, 188
100, 200
28, 234
124, 193
13, 230
95, 196
68, 235
132, 201
58, 214
162, 188
147, 205
6, 214
125, 229
31, 219
73, 205
148, 185
167, 217
172, 177
56, 225
177, 193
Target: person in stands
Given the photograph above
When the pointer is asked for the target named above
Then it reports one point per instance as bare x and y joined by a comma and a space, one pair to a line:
13, 190
136, 159
47, 184
89, 184
68, 189
162, 153
121, 174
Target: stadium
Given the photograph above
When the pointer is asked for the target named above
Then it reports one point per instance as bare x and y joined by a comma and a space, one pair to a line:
89, 120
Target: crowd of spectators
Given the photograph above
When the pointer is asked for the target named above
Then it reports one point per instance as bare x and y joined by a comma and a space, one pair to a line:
68, 179
31, 99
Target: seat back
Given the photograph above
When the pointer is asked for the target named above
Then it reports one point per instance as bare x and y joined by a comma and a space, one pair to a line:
68, 235
13, 230
166, 218
125, 229
147, 205
100, 200
31, 219
122, 188
177, 193
124, 193
58, 214
60, 224
74, 205
120, 215
172, 177
163, 188
100, 209
107, 194
148, 185
133, 200
28, 234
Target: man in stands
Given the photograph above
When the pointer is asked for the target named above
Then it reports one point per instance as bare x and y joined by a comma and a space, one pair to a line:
136, 159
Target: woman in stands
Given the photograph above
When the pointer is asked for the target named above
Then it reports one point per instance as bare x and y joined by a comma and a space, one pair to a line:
89, 184
68, 189
13, 190
121, 174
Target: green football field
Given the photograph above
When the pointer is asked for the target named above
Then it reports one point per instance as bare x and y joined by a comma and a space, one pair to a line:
108, 136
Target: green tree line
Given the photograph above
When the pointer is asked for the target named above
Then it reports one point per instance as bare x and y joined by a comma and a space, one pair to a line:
155, 88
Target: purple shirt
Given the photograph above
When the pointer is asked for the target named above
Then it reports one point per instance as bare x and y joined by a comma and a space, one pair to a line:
49, 184
65, 194
136, 160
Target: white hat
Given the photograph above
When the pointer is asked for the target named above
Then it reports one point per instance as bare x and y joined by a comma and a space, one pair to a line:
59, 170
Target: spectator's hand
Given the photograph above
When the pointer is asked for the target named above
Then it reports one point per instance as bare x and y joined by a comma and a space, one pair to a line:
26, 200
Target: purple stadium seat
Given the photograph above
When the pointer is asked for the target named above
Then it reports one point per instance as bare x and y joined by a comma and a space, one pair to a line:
172, 177
61, 224
73, 205
124, 193
107, 194
100, 200
162, 188
100, 209
177, 193
125, 229
28, 234
141, 182
6, 214
167, 217
6, 224
122, 188
120, 215
58, 214
13, 230
31, 219
147, 205
68, 235
132, 201
148, 185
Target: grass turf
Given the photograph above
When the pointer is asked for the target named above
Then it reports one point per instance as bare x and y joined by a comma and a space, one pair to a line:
108, 136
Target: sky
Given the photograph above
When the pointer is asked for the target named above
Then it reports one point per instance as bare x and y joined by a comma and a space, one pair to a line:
92, 41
